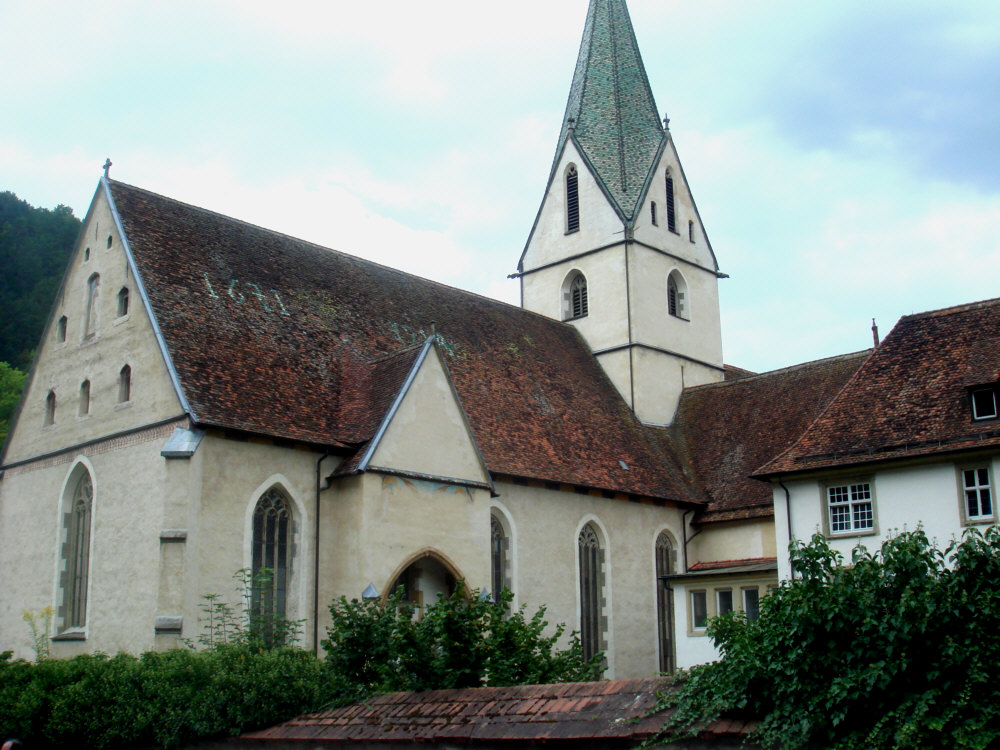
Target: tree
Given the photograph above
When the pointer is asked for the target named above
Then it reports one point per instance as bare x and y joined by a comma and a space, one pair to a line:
463, 640
899, 649
11, 385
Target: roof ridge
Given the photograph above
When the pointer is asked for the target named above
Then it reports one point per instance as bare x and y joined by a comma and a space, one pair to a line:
952, 310
318, 246
782, 370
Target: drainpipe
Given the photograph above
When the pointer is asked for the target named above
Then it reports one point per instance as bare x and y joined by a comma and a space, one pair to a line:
326, 454
788, 517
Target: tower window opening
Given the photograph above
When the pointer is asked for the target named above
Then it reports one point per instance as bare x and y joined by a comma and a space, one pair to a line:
123, 301
671, 212
572, 200
652, 213
125, 385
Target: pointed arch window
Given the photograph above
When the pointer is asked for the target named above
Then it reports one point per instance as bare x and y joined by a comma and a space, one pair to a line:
84, 398
90, 317
664, 553
671, 211
50, 408
61, 329
591, 554
271, 562
76, 554
499, 557
123, 301
125, 384
572, 199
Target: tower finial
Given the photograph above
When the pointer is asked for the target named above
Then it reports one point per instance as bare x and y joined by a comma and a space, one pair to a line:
666, 122
875, 333
107, 168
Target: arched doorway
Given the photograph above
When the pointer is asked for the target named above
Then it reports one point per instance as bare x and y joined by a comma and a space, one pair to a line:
424, 579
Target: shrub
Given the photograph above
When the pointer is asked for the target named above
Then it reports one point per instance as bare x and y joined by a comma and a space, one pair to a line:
899, 649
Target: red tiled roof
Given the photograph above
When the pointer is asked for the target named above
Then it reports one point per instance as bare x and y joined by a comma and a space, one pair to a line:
277, 336
726, 430
726, 564
610, 712
910, 398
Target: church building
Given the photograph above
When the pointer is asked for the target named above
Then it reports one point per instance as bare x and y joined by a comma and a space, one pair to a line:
210, 396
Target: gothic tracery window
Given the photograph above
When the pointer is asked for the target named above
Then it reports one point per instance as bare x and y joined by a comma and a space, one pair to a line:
591, 591
76, 554
664, 610
271, 558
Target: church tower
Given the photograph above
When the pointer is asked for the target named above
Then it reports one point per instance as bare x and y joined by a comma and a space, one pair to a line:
617, 248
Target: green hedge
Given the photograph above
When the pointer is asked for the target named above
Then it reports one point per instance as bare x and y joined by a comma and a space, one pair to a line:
168, 699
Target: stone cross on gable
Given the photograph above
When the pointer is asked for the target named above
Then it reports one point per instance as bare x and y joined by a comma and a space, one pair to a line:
107, 167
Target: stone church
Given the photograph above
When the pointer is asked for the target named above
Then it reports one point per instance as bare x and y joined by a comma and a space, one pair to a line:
210, 396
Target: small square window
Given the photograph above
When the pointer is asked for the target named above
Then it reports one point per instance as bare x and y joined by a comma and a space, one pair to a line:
699, 609
984, 404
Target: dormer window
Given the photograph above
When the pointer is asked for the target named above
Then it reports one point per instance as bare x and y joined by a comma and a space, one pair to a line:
984, 403
572, 200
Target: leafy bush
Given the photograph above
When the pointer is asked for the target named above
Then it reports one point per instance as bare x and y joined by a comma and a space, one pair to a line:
899, 649
463, 640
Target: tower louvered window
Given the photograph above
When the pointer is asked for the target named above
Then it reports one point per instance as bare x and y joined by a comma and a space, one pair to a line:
578, 297
591, 591
271, 561
671, 213
572, 200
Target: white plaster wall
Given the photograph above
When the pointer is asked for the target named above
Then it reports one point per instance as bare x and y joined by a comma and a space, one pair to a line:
599, 224
130, 494
736, 540
373, 526
548, 524
677, 244
63, 366
905, 496
428, 433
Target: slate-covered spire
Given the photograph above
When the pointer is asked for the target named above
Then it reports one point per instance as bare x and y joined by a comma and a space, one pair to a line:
611, 113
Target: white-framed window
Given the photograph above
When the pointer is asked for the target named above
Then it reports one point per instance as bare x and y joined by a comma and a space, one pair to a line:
851, 508
977, 494
984, 404
699, 610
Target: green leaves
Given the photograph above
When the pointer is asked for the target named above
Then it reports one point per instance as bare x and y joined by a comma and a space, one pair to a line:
900, 649
461, 641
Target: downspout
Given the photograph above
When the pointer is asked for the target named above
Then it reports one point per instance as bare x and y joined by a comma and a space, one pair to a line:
326, 455
788, 520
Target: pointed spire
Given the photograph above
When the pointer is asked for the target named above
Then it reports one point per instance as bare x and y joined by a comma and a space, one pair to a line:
611, 113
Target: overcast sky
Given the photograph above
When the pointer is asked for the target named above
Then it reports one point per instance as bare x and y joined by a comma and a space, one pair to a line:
844, 155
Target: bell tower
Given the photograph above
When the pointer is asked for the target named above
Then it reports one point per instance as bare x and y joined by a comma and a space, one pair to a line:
617, 248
